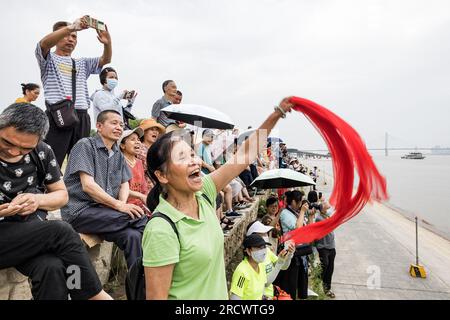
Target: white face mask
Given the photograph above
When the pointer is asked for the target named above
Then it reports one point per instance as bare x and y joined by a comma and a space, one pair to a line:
259, 255
111, 83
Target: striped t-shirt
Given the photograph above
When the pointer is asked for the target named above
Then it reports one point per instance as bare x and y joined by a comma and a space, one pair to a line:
56, 76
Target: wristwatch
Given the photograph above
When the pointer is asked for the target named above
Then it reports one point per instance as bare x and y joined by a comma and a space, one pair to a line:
283, 113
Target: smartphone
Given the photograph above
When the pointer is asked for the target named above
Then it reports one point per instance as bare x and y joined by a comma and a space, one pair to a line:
96, 24
129, 95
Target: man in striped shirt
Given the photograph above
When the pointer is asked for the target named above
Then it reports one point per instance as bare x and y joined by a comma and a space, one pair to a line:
56, 75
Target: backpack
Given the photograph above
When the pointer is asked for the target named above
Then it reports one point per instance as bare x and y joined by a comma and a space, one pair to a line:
135, 279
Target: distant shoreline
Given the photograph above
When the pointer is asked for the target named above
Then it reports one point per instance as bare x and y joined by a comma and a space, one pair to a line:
404, 213
410, 216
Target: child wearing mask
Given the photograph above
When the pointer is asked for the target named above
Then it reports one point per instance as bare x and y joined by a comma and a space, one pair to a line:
250, 277
272, 263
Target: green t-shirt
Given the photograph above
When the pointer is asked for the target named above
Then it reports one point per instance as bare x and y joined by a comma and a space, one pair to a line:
247, 283
199, 272
269, 262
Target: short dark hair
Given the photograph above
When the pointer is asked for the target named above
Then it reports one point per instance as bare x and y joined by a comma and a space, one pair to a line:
102, 116
312, 196
60, 24
270, 201
207, 132
294, 195
165, 84
104, 73
25, 117
28, 86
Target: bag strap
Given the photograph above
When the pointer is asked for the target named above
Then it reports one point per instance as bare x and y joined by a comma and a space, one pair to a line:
207, 199
292, 211
158, 214
40, 168
74, 82
169, 221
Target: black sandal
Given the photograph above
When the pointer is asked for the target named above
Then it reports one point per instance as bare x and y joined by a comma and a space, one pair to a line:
228, 222
227, 227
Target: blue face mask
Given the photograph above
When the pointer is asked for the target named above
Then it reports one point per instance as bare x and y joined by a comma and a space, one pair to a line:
111, 83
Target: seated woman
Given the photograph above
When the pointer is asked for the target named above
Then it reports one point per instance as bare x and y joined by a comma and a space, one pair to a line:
105, 98
130, 146
152, 131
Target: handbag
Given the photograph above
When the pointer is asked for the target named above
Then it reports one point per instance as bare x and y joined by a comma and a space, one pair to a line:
303, 250
63, 112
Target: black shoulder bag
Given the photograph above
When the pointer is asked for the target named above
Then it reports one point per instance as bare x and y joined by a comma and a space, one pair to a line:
63, 112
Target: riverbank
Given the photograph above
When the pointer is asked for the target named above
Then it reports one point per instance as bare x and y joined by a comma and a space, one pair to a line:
375, 250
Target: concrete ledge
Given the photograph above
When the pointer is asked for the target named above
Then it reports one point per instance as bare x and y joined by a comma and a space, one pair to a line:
235, 237
14, 285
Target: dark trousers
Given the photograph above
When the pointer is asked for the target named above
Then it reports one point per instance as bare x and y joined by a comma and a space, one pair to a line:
246, 177
63, 140
294, 280
253, 171
48, 252
113, 226
327, 261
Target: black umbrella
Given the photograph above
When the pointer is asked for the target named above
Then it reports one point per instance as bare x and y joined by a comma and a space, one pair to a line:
200, 116
282, 178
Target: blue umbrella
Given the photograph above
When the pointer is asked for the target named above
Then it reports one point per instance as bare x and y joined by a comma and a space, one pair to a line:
274, 140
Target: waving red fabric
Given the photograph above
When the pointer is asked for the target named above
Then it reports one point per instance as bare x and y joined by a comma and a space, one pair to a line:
349, 154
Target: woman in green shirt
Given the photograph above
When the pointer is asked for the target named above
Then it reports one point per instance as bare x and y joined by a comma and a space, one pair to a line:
191, 265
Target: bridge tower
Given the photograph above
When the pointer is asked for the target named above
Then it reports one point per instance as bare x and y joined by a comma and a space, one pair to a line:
386, 145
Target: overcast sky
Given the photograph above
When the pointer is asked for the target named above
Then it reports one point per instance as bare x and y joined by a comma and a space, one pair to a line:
383, 66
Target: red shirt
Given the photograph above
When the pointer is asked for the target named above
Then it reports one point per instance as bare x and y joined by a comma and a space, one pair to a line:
138, 182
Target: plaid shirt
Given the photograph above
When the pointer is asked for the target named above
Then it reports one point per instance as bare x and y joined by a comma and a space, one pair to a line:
108, 168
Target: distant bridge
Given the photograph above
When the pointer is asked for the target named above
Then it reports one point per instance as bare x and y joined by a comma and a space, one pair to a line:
386, 149
381, 149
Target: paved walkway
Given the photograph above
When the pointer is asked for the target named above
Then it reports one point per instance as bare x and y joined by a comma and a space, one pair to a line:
375, 250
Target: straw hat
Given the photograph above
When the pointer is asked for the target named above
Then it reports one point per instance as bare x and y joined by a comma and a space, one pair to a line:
150, 123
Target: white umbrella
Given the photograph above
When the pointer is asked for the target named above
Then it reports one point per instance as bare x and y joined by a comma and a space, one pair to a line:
282, 178
198, 115
223, 142
245, 135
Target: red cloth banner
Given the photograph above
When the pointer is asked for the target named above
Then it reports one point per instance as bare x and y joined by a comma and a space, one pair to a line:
349, 155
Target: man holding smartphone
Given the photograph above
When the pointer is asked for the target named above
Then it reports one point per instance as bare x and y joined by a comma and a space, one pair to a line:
57, 74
